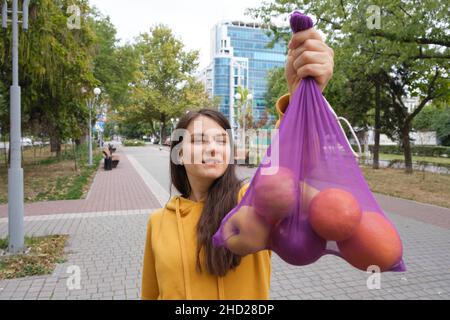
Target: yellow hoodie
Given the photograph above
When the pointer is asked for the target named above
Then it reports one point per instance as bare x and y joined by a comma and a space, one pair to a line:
169, 270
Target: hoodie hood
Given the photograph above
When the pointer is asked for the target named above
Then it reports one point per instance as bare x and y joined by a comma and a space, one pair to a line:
184, 205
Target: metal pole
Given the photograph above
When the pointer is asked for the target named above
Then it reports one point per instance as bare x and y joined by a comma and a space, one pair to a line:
90, 133
244, 116
160, 135
15, 171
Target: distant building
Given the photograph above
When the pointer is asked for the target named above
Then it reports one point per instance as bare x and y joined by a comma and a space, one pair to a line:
411, 103
240, 58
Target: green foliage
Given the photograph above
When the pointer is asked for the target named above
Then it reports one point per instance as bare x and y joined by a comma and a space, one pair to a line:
437, 119
408, 56
424, 121
133, 143
164, 86
276, 87
143, 84
441, 124
114, 66
57, 62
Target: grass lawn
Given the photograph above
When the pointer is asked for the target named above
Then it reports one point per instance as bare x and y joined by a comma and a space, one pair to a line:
423, 187
40, 258
47, 177
437, 160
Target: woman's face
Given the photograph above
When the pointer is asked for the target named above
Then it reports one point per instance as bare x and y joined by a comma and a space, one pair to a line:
205, 149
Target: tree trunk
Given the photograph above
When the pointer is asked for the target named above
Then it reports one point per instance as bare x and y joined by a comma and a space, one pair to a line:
407, 148
376, 147
55, 145
163, 128
74, 149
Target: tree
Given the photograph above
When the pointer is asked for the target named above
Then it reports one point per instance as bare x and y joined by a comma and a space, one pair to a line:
442, 126
54, 63
425, 120
276, 87
408, 56
165, 85
244, 117
435, 117
114, 66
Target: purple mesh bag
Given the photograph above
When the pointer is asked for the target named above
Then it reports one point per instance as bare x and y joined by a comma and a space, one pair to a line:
308, 197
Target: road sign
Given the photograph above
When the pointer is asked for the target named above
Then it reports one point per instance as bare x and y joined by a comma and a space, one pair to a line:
99, 126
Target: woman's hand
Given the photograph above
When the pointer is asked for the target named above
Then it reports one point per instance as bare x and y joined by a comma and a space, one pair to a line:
308, 55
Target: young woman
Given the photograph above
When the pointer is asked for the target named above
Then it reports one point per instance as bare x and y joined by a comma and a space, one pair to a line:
180, 261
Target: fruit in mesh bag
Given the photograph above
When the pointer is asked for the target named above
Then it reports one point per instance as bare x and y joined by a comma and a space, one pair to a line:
307, 193
334, 214
296, 242
275, 194
375, 242
246, 232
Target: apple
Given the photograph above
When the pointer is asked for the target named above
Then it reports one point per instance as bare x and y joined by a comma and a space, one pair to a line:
246, 232
275, 194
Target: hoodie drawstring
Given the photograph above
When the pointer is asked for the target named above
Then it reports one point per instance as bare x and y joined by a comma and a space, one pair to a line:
187, 278
221, 288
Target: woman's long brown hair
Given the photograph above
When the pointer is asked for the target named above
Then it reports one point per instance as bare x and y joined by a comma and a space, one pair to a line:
221, 198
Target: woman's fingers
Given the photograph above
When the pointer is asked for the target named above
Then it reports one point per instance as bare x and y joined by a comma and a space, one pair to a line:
308, 56
311, 70
311, 45
321, 72
301, 36
311, 57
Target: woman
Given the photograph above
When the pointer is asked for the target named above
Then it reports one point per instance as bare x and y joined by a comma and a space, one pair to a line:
180, 261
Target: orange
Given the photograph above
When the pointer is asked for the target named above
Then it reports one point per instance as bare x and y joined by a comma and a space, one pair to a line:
375, 242
334, 214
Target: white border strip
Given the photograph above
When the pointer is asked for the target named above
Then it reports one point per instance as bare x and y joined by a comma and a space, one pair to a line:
84, 215
160, 193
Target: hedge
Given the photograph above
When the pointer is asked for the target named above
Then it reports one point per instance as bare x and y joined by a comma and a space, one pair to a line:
416, 150
133, 143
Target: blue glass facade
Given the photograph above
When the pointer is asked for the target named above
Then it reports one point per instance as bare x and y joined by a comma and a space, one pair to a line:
245, 48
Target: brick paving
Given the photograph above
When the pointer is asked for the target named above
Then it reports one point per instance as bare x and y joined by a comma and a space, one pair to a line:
107, 247
427, 213
119, 189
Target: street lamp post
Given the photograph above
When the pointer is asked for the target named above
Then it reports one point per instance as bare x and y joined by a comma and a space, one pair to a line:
90, 105
249, 97
174, 122
15, 171
160, 135
238, 97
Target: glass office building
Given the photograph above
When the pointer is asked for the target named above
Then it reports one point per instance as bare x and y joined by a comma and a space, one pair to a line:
240, 58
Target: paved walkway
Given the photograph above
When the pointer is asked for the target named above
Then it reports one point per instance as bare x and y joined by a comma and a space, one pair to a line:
106, 248
119, 189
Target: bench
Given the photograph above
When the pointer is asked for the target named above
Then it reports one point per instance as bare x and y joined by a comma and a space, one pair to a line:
110, 161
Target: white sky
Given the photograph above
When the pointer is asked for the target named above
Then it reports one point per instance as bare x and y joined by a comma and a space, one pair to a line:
191, 21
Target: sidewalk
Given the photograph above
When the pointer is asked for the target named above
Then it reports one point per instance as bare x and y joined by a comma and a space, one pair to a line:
119, 189
108, 247
427, 213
